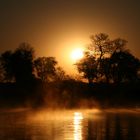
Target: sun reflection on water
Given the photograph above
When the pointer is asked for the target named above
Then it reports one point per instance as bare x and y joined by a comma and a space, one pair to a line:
78, 117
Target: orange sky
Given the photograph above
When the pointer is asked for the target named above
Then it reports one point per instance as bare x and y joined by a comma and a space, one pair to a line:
55, 27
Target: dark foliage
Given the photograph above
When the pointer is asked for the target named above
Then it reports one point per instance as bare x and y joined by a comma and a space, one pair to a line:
45, 68
111, 70
108, 61
18, 65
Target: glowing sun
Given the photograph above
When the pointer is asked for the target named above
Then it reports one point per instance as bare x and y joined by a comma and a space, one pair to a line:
77, 54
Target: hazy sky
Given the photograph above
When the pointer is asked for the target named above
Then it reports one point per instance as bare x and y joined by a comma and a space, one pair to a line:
55, 27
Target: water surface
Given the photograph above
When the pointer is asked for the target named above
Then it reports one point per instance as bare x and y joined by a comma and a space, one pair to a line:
70, 125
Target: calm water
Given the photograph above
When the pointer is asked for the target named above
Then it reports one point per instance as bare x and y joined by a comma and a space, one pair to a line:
70, 125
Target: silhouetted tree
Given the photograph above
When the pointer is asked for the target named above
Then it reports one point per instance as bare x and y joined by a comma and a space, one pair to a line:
104, 64
87, 66
7, 66
60, 74
92, 65
124, 67
104, 69
18, 65
23, 62
100, 45
118, 45
45, 68
101, 49
110, 59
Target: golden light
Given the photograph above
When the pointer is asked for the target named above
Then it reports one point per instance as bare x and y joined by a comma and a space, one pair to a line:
77, 54
78, 117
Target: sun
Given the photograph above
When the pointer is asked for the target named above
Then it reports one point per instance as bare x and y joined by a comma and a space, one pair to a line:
77, 54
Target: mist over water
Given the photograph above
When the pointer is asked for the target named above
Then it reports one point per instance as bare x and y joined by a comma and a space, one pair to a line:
70, 125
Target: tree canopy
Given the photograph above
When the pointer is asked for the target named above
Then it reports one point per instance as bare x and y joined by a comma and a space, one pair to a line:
109, 59
18, 65
104, 60
45, 67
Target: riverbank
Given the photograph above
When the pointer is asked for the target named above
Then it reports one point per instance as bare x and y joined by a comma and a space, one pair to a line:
70, 94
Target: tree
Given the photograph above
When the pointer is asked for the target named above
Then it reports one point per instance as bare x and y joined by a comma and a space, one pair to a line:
100, 46
124, 67
45, 68
92, 65
108, 58
7, 66
105, 69
23, 62
87, 66
18, 65
104, 65
118, 45
60, 74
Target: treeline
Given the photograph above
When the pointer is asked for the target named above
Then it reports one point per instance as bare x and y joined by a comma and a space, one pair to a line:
111, 69
104, 60
109, 61
22, 67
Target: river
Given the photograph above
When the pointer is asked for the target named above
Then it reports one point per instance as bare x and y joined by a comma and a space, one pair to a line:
70, 125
